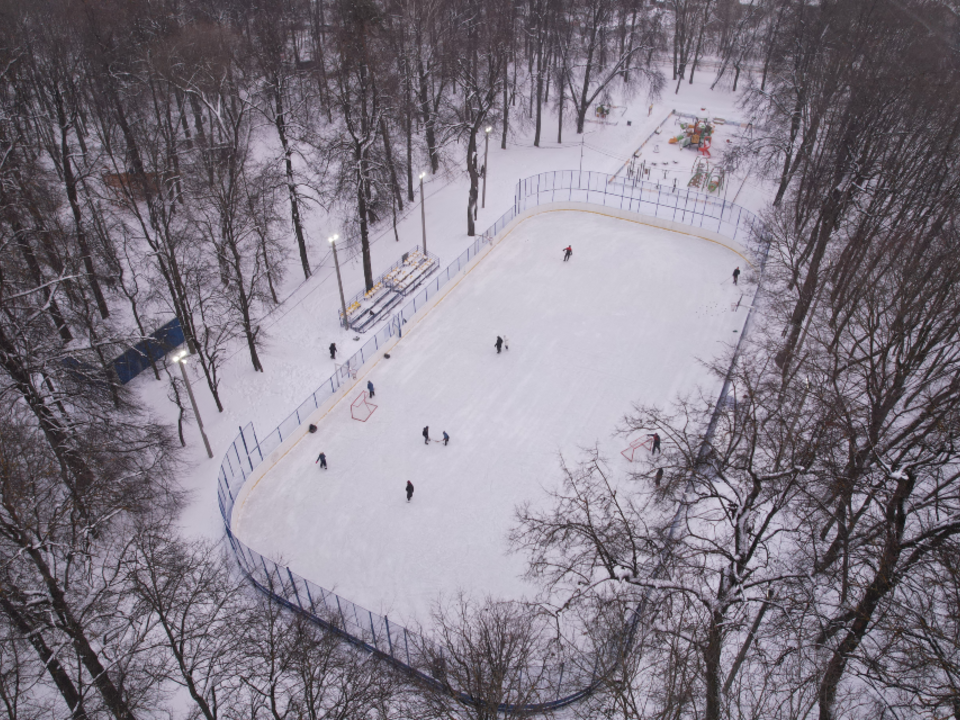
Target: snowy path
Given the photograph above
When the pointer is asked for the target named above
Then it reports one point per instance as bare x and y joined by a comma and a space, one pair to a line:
624, 321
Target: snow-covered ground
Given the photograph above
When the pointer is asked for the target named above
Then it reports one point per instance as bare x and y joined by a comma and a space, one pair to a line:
624, 321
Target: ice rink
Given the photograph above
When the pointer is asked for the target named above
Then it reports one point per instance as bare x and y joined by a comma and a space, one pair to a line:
626, 320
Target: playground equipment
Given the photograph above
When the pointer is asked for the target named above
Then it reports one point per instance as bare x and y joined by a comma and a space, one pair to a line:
701, 173
717, 178
697, 135
706, 177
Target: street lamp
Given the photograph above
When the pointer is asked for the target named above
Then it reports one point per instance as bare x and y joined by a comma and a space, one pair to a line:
336, 262
423, 213
486, 150
181, 360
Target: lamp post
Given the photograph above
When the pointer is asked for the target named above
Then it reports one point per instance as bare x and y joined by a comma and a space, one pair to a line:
181, 360
423, 212
336, 263
486, 150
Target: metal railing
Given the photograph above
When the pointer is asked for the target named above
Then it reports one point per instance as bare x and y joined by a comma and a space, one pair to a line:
571, 674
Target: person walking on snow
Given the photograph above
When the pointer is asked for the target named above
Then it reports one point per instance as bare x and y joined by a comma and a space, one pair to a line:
370, 387
498, 344
322, 459
656, 443
736, 275
506, 343
446, 438
567, 252
426, 434
333, 351
409, 490
658, 478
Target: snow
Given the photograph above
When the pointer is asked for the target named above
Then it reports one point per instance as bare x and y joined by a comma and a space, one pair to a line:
623, 321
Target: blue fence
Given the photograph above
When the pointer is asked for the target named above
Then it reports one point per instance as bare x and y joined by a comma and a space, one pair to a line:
683, 206
570, 674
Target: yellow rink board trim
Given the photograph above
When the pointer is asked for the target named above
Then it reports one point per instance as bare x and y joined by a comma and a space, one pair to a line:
478, 258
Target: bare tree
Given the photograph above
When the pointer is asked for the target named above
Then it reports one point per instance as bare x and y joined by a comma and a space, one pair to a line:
489, 657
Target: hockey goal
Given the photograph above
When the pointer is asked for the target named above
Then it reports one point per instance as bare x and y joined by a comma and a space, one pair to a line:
631, 452
345, 371
361, 408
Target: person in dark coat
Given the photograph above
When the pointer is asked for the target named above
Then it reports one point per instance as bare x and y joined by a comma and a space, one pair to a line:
446, 438
567, 252
498, 344
409, 490
426, 434
333, 351
370, 387
656, 443
736, 275
658, 477
322, 459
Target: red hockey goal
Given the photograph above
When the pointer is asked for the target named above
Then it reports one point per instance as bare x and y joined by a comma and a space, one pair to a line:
361, 408
631, 452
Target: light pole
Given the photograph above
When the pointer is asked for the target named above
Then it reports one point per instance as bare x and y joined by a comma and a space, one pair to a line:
181, 360
336, 263
486, 150
423, 212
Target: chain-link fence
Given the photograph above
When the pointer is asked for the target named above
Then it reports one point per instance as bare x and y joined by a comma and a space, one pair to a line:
570, 674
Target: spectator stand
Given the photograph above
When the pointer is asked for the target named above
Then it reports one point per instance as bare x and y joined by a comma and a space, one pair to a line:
365, 309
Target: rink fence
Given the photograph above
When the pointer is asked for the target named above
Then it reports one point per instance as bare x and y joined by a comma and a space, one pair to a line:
571, 674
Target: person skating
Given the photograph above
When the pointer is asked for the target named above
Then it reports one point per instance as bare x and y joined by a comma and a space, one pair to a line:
426, 434
736, 274
333, 351
446, 438
322, 459
656, 443
658, 477
409, 490
498, 344
370, 387
567, 252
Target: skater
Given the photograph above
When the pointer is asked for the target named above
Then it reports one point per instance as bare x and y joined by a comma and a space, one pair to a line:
656, 443
426, 435
498, 344
446, 438
322, 459
370, 387
567, 252
409, 490
333, 351
658, 478
736, 274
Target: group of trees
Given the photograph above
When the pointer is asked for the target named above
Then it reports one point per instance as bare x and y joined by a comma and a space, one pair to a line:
799, 557
160, 159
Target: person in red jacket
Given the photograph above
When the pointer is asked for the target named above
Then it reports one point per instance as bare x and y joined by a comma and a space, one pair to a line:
567, 252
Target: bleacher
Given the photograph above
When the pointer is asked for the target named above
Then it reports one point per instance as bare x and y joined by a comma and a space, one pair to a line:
366, 309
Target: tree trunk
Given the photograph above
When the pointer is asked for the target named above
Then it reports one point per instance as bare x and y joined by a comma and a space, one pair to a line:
428, 119
280, 122
70, 181
112, 696
391, 165
884, 579
474, 173
60, 677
